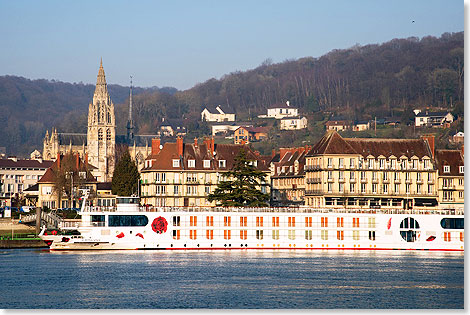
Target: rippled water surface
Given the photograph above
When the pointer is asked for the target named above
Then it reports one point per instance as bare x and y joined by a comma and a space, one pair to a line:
237, 279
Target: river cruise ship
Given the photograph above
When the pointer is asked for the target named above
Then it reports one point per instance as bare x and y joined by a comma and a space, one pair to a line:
127, 225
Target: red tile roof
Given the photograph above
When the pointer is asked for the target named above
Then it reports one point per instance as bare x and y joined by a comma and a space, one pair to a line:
452, 158
164, 159
48, 176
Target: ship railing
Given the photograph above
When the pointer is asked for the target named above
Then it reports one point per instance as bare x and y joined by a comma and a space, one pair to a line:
306, 209
292, 209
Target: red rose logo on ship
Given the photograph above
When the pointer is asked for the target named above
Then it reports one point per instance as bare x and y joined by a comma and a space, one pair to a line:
159, 225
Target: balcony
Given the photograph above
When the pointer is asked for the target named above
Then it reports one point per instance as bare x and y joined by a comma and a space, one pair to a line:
313, 180
314, 192
352, 180
330, 180
449, 187
341, 180
364, 180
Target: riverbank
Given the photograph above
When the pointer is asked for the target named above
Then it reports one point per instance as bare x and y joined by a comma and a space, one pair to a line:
16, 235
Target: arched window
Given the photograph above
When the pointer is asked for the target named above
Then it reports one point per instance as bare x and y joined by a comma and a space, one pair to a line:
108, 134
109, 117
100, 134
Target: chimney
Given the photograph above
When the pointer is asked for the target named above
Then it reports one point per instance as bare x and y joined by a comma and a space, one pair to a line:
155, 146
195, 142
461, 151
212, 145
58, 160
179, 145
273, 152
207, 142
86, 160
430, 141
77, 162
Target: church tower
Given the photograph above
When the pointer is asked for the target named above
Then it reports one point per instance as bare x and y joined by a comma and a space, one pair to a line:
130, 122
101, 135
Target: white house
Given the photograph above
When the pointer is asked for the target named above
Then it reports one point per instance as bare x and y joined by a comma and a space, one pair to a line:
218, 113
437, 119
293, 123
227, 128
280, 111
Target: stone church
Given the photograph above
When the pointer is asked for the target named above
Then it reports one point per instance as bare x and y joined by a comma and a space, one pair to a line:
99, 143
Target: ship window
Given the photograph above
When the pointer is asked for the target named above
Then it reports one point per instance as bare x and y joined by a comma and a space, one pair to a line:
128, 220
176, 220
291, 234
275, 234
259, 234
409, 228
97, 220
308, 234
452, 223
372, 235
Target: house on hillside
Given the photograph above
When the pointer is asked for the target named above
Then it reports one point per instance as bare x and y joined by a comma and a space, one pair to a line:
338, 125
171, 128
217, 113
436, 119
361, 126
227, 128
458, 137
293, 123
245, 135
280, 111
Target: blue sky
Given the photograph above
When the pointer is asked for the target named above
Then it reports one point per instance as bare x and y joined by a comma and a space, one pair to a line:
182, 43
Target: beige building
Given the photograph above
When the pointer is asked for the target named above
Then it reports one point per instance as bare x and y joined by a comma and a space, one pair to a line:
288, 177
450, 165
353, 172
17, 175
184, 174
80, 176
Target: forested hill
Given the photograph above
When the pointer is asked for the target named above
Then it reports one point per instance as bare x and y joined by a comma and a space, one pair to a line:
29, 107
361, 82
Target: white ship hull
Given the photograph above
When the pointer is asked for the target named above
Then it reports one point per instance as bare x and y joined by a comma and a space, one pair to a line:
291, 229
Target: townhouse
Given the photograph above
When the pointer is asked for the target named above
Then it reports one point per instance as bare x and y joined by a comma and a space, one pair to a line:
184, 174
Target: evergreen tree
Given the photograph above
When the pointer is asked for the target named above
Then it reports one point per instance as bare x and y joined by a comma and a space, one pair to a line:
125, 177
241, 187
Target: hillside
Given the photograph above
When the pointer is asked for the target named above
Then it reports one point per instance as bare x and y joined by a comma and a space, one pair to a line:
29, 107
362, 82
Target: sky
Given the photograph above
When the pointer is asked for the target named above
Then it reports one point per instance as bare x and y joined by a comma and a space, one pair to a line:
181, 43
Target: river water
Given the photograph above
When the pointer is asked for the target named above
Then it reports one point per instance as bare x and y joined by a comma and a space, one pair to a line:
231, 279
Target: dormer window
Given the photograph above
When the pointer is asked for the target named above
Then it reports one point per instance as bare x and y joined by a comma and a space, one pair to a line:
222, 163
176, 163
82, 175
207, 163
461, 169
192, 163
414, 163
426, 164
446, 168
382, 163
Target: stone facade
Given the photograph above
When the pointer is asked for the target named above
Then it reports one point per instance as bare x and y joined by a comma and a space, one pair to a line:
101, 133
100, 140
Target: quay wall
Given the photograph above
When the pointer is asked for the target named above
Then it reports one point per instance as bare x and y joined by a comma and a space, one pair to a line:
22, 244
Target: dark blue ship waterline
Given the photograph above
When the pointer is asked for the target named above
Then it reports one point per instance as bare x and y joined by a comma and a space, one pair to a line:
237, 279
